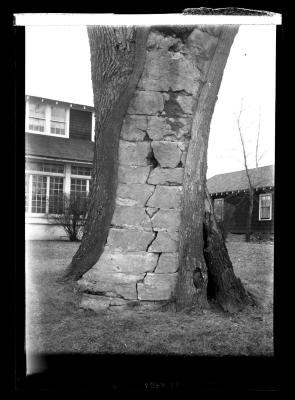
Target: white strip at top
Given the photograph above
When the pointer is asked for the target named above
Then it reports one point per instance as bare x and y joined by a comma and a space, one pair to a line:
62, 19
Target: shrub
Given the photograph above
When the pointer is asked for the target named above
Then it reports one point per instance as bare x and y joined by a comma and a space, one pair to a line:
71, 215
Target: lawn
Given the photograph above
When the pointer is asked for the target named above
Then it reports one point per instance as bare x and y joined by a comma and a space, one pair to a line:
56, 324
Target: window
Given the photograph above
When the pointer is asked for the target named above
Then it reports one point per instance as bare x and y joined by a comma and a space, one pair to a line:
218, 209
42, 167
37, 117
80, 181
47, 183
58, 121
79, 187
44, 187
48, 119
27, 189
265, 207
39, 186
55, 195
77, 170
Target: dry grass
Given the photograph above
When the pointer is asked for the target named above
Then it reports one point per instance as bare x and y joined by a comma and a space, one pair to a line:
56, 324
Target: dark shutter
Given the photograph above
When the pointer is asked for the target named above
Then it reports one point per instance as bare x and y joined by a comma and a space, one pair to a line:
80, 124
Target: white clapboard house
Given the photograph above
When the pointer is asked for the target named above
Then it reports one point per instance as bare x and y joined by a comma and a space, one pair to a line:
59, 144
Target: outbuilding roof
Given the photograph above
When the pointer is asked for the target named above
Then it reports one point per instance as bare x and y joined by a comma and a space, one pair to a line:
237, 180
59, 148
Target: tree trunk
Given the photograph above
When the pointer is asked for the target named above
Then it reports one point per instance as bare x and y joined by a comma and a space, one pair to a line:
223, 286
192, 275
117, 61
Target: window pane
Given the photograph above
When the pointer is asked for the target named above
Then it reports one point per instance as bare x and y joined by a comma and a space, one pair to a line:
218, 209
27, 182
37, 125
265, 206
34, 166
78, 170
265, 213
37, 117
37, 110
58, 121
58, 114
79, 187
58, 128
55, 195
39, 193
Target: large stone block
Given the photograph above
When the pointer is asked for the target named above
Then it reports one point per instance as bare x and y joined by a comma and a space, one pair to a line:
136, 217
165, 242
129, 194
133, 263
157, 287
152, 77
168, 129
114, 284
166, 197
166, 220
168, 263
183, 74
166, 176
169, 70
100, 303
94, 302
134, 153
168, 154
129, 240
158, 128
146, 103
134, 127
186, 103
130, 174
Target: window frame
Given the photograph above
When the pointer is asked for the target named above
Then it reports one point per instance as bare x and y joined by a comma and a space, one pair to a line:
66, 175
221, 200
48, 119
30, 174
84, 177
28, 116
270, 207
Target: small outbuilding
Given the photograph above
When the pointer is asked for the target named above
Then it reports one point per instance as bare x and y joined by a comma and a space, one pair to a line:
230, 196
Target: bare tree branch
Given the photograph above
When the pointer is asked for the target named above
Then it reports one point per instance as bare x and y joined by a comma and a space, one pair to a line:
257, 141
251, 191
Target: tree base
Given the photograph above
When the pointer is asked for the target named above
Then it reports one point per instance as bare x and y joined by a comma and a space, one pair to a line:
223, 286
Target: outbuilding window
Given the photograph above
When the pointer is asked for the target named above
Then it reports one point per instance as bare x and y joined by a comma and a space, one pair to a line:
218, 209
265, 205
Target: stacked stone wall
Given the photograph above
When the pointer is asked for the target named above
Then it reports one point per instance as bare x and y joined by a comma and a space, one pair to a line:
140, 260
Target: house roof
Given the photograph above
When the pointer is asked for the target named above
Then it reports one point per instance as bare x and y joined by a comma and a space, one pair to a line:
59, 148
65, 103
229, 182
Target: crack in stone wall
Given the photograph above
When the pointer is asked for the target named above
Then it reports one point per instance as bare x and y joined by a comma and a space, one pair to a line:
140, 261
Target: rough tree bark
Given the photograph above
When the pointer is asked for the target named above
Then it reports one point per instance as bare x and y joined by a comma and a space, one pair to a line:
223, 286
192, 276
117, 61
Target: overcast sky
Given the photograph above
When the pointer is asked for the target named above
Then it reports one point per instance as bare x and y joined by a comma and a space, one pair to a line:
58, 67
